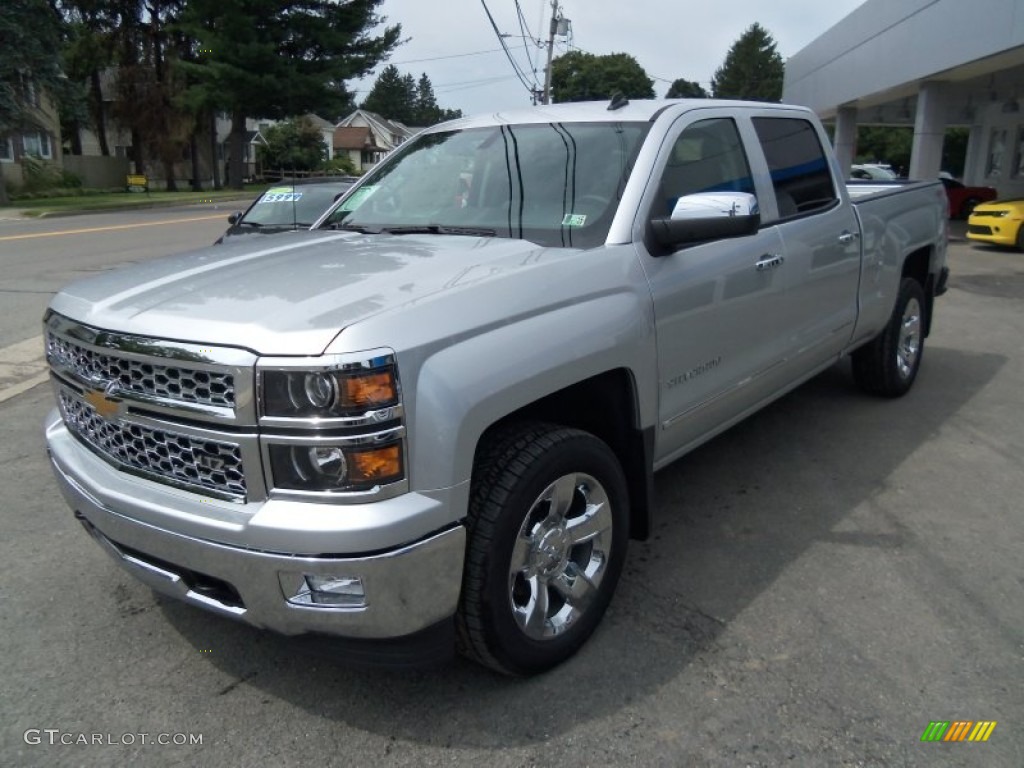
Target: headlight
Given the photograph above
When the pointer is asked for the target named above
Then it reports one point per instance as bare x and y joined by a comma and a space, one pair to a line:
334, 467
326, 394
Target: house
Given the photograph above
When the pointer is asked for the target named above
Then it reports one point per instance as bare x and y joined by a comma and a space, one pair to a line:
326, 129
39, 137
367, 137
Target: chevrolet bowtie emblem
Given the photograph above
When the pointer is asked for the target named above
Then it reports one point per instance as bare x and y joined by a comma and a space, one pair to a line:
103, 401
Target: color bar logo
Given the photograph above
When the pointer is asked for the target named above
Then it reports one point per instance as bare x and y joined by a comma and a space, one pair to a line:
958, 730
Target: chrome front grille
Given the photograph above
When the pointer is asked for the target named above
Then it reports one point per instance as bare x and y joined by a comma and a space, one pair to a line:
169, 382
164, 455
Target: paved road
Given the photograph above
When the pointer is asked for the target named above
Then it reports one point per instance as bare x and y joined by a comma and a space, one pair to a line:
38, 256
824, 580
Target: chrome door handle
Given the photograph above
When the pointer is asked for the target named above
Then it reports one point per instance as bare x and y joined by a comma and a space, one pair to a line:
848, 237
770, 261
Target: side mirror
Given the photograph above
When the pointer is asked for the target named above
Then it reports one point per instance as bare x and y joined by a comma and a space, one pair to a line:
234, 217
707, 216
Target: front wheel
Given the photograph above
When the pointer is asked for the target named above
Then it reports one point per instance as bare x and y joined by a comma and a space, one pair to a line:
548, 526
888, 364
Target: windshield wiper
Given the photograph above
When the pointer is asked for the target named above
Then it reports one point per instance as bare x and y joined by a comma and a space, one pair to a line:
438, 229
356, 228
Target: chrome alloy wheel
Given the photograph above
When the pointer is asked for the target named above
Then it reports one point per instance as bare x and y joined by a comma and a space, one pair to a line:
908, 347
560, 555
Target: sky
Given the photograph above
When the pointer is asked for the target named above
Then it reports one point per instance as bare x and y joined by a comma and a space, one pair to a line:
454, 43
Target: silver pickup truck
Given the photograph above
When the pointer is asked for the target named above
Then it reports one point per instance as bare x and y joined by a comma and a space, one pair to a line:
433, 420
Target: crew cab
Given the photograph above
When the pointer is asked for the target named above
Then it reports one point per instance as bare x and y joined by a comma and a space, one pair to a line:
434, 419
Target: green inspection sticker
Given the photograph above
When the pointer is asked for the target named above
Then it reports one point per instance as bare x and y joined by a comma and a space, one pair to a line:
358, 198
574, 220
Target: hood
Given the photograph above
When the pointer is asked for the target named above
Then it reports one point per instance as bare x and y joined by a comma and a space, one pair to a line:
289, 294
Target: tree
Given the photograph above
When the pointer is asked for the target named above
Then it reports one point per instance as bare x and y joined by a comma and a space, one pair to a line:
393, 95
579, 76
888, 144
278, 58
686, 89
295, 145
427, 110
753, 68
29, 64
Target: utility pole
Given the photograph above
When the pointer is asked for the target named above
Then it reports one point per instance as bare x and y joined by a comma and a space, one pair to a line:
559, 26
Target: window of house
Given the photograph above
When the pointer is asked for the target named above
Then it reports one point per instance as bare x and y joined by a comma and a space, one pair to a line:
798, 164
6, 150
37, 144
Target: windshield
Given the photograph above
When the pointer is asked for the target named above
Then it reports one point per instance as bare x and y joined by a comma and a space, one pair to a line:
553, 184
287, 205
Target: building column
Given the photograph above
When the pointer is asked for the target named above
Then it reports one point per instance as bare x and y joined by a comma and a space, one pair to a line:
845, 142
929, 132
974, 162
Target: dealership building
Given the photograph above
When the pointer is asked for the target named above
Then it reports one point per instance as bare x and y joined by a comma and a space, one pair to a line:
929, 64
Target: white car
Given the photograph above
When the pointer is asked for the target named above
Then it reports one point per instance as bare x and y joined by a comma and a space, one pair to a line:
873, 172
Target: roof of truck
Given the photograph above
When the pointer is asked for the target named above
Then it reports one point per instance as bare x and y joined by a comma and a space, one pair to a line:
640, 110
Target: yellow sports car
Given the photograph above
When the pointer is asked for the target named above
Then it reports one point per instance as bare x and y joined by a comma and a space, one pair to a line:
1000, 222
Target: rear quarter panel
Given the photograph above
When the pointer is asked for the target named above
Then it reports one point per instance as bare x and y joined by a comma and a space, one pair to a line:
895, 222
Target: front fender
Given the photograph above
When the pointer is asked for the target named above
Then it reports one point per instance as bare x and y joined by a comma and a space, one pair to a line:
463, 389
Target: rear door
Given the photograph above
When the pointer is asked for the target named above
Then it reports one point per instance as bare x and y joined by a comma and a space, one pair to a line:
821, 238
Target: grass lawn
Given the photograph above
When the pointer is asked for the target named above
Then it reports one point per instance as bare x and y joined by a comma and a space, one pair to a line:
120, 200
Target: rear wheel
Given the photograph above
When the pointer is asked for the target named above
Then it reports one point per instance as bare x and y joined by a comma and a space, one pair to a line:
888, 365
548, 527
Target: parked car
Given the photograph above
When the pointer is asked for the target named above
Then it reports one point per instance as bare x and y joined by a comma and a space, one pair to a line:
963, 199
1000, 222
873, 172
287, 206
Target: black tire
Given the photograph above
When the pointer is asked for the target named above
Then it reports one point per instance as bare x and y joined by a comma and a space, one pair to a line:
888, 365
526, 618
1020, 237
968, 207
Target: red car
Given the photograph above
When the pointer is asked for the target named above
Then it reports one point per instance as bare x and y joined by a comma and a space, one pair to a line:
963, 199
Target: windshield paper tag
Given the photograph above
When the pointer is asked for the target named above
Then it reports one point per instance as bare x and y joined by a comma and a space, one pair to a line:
280, 195
357, 198
574, 220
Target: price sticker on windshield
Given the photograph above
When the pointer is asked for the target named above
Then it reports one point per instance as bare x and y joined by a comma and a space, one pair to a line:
280, 195
357, 198
574, 220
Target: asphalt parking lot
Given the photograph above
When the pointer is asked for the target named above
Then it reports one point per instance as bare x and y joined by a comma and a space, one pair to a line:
824, 581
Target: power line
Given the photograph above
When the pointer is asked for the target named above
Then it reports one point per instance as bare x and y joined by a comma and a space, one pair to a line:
519, 73
449, 56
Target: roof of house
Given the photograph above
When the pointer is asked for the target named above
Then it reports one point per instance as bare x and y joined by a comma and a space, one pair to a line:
319, 122
387, 129
355, 137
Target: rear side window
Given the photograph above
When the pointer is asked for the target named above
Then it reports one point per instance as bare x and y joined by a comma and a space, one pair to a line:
798, 165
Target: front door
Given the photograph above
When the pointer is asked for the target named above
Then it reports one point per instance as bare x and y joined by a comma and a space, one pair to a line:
714, 302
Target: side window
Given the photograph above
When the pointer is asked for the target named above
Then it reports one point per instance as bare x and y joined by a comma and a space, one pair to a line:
708, 156
798, 165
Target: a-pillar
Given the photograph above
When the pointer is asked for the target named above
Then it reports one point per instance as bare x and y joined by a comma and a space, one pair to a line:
845, 141
929, 131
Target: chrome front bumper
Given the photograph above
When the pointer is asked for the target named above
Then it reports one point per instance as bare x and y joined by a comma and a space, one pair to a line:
407, 587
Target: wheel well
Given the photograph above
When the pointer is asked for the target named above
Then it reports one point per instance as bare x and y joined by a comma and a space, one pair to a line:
605, 406
917, 265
